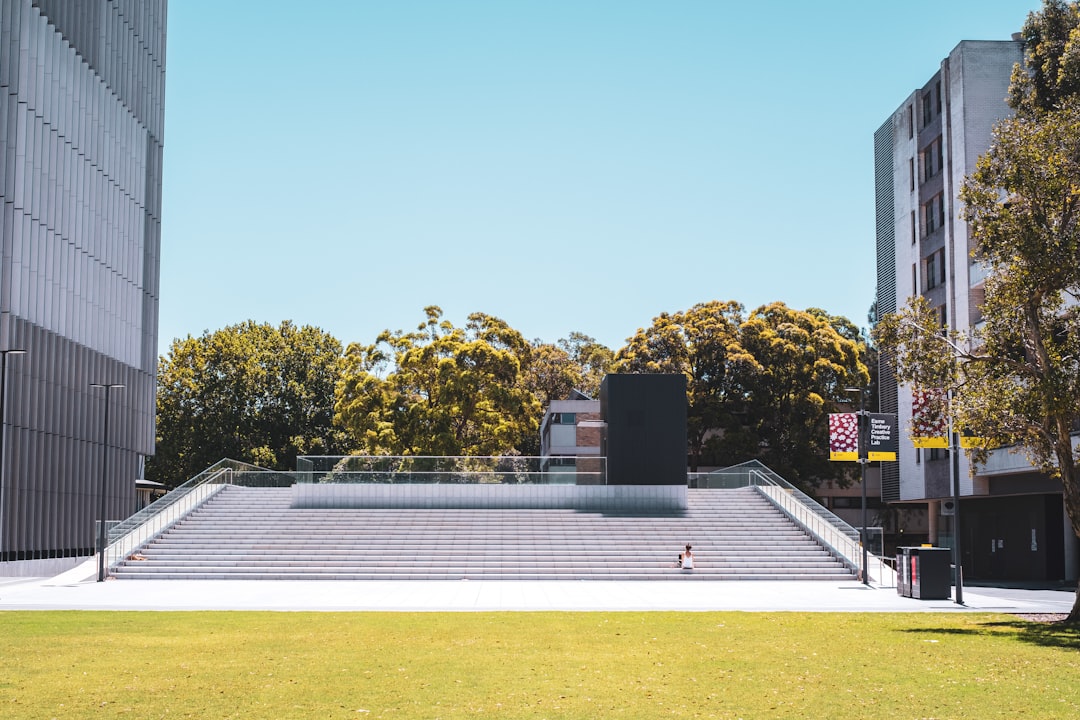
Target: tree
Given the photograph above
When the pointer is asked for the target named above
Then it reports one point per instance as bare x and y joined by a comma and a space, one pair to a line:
759, 386
593, 360
575, 363
1016, 380
701, 343
250, 392
551, 373
440, 390
1050, 75
803, 362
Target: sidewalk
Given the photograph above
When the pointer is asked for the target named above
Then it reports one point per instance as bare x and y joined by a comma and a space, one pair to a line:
489, 595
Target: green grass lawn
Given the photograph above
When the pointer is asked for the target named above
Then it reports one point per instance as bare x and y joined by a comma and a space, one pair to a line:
535, 665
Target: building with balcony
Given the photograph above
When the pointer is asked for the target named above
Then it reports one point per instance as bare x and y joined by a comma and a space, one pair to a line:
1012, 518
570, 430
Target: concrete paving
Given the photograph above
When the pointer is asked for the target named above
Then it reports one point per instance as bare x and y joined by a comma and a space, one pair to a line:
504, 595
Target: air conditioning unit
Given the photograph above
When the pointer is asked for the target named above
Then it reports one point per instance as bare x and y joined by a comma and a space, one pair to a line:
948, 507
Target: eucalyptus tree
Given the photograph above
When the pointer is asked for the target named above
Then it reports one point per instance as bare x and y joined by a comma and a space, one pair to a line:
440, 390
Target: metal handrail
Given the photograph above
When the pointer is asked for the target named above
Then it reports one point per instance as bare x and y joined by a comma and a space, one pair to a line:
436, 477
450, 469
128, 536
174, 496
832, 532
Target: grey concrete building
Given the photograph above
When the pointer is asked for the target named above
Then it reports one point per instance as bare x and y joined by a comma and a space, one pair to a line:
1013, 523
82, 89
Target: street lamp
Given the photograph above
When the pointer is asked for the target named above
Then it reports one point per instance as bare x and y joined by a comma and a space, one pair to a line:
954, 476
863, 462
3, 433
104, 476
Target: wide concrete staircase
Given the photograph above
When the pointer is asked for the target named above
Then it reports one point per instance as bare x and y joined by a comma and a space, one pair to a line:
254, 534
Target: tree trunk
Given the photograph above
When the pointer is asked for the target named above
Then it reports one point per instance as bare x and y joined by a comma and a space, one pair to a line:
1070, 494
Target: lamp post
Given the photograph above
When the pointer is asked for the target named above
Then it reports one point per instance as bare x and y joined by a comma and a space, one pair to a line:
863, 462
104, 476
3, 433
954, 476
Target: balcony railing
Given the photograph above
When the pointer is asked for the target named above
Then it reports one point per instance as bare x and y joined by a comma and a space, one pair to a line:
417, 469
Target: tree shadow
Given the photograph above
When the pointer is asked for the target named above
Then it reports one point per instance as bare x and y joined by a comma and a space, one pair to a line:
1045, 634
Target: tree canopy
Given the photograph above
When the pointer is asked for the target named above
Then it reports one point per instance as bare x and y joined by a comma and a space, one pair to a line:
804, 362
758, 386
440, 390
701, 343
1050, 74
250, 392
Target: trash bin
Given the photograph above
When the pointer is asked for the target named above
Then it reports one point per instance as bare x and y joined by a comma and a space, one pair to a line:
924, 573
903, 571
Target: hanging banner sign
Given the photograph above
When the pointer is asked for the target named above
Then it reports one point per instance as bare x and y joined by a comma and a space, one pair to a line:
844, 436
882, 441
970, 442
929, 428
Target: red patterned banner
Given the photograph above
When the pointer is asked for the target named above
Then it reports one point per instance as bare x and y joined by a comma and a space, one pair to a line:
929, 428
843, 436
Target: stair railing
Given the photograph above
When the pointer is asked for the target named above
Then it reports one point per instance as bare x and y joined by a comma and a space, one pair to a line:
128, 536
841, 539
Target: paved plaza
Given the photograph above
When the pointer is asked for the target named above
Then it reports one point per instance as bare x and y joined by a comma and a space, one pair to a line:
504, 595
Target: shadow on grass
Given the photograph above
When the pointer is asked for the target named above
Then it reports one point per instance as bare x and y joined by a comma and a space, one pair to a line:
1054, 634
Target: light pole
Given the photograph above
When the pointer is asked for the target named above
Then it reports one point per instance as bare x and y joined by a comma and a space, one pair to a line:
954, 476
3, 434
864, 460
104, 476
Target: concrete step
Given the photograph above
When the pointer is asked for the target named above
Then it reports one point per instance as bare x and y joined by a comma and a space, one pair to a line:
248, 533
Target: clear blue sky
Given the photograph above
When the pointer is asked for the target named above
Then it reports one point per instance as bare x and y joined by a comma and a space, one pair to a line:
564, 165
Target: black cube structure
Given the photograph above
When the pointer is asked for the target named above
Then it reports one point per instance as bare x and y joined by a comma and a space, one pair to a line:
645, 432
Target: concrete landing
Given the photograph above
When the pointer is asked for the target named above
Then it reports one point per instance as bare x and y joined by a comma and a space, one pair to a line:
506, 595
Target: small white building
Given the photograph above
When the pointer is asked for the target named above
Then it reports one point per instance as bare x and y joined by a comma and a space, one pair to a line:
571, 429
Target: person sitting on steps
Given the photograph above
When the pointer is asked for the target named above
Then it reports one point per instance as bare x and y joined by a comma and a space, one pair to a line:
686, 559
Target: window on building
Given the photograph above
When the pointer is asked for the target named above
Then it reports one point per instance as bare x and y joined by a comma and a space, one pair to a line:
911, 172
937, 98
934, 213
935, 269
927, 109
911, 121
564, 418
931, 160
914, 278
914, 234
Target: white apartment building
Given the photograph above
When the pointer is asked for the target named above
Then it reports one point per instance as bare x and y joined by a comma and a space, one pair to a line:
1013, 523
